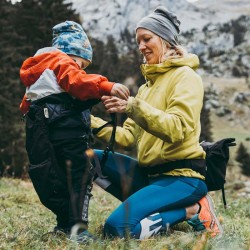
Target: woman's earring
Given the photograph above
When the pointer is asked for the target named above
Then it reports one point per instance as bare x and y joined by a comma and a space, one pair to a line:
144, 60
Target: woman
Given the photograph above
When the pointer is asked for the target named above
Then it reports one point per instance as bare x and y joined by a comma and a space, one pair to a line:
164, 123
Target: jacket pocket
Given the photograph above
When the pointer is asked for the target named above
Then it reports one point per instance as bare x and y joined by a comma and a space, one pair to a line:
37, 137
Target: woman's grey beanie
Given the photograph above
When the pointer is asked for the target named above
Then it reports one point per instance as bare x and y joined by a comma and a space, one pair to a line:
163, 23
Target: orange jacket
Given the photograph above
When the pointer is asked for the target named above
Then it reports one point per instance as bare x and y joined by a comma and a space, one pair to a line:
62, 71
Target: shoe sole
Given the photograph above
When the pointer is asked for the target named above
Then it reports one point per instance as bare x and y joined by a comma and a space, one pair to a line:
212, 209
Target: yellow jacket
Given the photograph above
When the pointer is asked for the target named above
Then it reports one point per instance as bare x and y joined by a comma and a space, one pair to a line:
164, 117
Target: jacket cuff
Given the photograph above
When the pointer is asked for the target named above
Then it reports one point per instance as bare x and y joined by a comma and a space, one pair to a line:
130, 104
105, 87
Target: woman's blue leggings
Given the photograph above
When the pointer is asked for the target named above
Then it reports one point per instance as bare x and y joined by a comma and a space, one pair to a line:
153, 204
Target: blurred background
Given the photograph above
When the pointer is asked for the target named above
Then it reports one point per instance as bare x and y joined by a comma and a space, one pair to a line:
217, 31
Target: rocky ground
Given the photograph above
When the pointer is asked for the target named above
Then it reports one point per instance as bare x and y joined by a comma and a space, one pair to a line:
229, 103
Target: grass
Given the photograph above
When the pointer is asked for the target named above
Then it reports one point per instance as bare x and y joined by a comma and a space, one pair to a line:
24, 221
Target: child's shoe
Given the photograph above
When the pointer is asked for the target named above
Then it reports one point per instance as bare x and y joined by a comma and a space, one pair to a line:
84, 238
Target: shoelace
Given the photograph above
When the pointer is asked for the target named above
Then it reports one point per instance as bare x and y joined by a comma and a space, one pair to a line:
212, 224
197, 224
85, 237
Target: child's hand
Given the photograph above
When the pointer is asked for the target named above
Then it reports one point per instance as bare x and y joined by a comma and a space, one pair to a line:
120, 91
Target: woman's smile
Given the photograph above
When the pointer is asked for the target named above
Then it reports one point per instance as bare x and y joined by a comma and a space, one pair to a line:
149, 45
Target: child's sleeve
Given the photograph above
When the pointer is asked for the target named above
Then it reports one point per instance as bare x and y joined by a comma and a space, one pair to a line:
80, 84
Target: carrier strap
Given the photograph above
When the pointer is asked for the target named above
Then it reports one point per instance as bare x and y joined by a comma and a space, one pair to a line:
97, 130
224, 197
198, 165
109, 148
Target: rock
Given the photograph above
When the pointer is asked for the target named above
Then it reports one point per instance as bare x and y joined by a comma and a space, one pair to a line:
240, 97
220, 112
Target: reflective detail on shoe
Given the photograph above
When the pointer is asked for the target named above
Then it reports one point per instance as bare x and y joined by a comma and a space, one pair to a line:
206, 219
83, 238
150, 226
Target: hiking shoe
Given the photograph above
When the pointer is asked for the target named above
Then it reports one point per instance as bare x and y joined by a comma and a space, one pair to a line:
83, 238
206, 219
61, 231
56, 233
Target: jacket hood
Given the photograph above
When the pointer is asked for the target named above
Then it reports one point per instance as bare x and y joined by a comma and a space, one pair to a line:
152, 71
34, 66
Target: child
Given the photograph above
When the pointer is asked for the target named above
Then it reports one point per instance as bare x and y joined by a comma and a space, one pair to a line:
59, 95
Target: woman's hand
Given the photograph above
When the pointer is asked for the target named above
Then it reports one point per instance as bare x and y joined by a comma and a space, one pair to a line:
120, 91
114, 104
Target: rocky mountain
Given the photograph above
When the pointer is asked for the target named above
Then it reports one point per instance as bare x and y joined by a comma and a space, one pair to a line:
223, 49
104, 17
218, 31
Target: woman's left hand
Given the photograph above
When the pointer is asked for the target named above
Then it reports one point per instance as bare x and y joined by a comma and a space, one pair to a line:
114, 104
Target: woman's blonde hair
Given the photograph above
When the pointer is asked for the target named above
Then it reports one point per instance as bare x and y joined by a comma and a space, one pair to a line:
173, 52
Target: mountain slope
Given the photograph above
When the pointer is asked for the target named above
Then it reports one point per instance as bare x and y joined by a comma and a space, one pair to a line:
104, 17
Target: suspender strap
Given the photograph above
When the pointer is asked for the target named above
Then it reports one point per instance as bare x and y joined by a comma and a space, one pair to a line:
109, 148
97, 130
112, 138
224, 197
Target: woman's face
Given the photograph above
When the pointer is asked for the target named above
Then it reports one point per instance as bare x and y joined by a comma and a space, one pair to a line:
150, 45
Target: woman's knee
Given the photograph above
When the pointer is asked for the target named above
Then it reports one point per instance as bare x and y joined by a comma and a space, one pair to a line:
114, 227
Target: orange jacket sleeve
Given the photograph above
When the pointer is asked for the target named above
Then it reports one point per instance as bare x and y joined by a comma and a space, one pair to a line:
69, 76
79, 84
